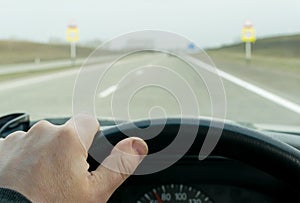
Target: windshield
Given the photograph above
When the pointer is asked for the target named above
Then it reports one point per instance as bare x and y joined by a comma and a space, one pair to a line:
129, 60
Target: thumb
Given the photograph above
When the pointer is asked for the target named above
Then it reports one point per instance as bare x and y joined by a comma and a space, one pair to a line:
118, 166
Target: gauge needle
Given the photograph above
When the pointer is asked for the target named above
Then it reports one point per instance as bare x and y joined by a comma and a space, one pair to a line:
158, 198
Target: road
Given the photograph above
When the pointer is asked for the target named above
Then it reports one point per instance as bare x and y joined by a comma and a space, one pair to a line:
19, 68
252, 96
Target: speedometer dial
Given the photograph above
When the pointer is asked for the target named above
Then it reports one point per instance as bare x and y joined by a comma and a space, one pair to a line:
174, 193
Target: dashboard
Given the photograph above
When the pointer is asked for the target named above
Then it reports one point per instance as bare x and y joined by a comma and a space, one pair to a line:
246, 165
216, 179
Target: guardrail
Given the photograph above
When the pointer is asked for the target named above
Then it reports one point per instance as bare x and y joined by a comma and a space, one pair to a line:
27, 67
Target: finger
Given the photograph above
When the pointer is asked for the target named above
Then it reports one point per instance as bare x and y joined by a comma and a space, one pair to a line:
121, 163
86, 126
13, 138
40, 127
15, 134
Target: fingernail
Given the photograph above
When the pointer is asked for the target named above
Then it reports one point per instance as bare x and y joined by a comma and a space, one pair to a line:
140, 146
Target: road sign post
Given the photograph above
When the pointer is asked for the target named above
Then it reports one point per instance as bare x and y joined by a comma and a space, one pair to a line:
73, 52
248, 36
72, 38
248, 50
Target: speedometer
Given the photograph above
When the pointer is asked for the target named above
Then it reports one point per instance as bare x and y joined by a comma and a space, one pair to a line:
174, 193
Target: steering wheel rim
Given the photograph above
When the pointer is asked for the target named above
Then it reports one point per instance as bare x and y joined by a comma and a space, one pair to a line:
237, 142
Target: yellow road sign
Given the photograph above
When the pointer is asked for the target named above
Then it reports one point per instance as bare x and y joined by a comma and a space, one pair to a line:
72, 34
248, 34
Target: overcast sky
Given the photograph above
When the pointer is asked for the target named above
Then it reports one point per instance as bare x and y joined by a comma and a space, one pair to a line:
208, 23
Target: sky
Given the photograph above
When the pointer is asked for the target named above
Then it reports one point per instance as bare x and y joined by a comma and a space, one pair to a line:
208, 23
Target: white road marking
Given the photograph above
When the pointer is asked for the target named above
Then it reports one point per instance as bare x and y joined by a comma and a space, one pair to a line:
255, 89
11, 84
259, 91
252, 88
108, 91
34, 80
43, 78
25, 67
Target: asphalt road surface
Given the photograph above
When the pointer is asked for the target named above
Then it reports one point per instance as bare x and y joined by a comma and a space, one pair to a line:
25, 67
156, 85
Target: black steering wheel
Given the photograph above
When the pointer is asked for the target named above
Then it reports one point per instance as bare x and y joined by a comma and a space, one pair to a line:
239, 143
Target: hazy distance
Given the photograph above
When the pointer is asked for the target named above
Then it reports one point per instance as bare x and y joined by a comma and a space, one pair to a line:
209, 23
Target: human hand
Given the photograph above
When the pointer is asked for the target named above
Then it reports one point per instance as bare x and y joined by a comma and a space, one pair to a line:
48, 163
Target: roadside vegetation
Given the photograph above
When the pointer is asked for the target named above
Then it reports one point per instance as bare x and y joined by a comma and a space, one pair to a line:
282, 52
13, 52
274, 53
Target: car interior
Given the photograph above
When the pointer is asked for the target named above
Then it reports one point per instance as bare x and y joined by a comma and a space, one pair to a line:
245, 166
212, 87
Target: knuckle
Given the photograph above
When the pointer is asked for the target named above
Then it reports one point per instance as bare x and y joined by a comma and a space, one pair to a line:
15, 135
43, 123
19, 132
67, 136
66, 132
40, 127
125, 166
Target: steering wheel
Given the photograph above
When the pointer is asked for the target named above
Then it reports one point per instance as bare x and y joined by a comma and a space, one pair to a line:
239, 143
